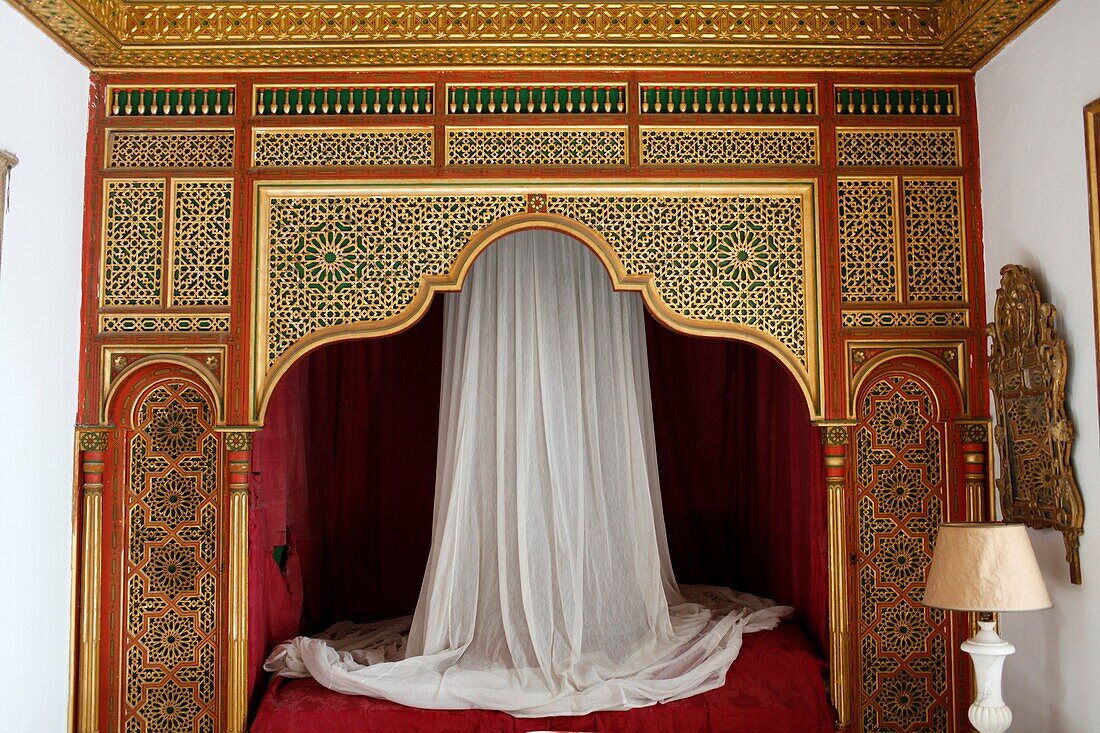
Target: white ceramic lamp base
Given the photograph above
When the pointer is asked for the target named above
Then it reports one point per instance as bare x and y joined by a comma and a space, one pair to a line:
988, 713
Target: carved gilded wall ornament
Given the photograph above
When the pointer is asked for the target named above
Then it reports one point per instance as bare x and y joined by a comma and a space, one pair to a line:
1034, 434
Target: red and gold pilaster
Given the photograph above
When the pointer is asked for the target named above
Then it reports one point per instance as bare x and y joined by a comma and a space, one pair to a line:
238, 447
93, 452
835, 438
980, 497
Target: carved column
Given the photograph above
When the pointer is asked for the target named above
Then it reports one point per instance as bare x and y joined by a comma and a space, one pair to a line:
835, 439
93, 450
975, 455
238, 447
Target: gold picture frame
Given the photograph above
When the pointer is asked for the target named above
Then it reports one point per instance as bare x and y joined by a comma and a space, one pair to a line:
1092, 154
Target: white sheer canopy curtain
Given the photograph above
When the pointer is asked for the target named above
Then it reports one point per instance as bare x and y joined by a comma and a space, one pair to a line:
548, 588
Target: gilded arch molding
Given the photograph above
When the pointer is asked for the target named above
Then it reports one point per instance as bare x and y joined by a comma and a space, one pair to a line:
733, 260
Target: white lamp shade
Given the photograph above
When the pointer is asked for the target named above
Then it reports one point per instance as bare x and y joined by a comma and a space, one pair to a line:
985, 567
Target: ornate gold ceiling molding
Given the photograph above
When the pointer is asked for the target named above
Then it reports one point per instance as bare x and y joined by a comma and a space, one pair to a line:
915, 34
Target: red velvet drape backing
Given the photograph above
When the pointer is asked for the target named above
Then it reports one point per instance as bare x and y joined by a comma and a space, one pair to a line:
345, 472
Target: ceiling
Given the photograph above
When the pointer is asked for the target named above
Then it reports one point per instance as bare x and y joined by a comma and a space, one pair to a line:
941, 34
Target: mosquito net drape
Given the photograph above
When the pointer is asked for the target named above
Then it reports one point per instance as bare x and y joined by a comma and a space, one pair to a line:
548, 588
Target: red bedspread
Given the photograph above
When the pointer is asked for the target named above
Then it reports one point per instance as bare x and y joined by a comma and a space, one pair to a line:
774, 686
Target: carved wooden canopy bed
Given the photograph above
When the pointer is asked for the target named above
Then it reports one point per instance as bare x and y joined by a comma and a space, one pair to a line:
240, 224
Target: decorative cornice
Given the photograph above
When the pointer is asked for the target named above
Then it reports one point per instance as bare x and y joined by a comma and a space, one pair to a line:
122, 34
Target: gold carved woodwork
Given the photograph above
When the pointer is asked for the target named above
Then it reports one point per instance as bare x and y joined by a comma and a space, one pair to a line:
238, 448
92, 444
738, 260
870, 249
863, 357
144, 149
909, 318
172, 559
935, 239
904, 650
133, 242
974, 434
835, 437
515, 146
727, 99
728, 145
166, 100
324, 147
157, 323
1034, 434
116, 33
119, 361
136, 234
892, 147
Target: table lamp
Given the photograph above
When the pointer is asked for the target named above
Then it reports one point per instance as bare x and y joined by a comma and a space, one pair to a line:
986, 568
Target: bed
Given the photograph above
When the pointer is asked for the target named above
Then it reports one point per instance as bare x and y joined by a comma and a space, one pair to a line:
776, 685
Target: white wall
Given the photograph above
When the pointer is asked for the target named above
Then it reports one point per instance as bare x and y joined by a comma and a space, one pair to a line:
1035, 207
43, 120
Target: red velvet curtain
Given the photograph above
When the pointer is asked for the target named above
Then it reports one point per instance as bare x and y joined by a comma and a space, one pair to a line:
345, 472
742, 472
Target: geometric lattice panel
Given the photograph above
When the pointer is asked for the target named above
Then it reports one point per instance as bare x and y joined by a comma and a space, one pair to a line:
336, 147
338, 260
157, 323
867, 216
548, 146
945, 318
934, 243
727, 259
728, 146
133, 242
903, 647
898, 147
172, 561
202, 235
169, 149
717, 259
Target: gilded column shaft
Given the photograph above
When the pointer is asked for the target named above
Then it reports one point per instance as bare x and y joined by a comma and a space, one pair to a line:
239, 459
93, 451
835, 439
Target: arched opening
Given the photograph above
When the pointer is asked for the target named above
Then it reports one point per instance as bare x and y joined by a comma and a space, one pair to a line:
267, 376
346, 469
